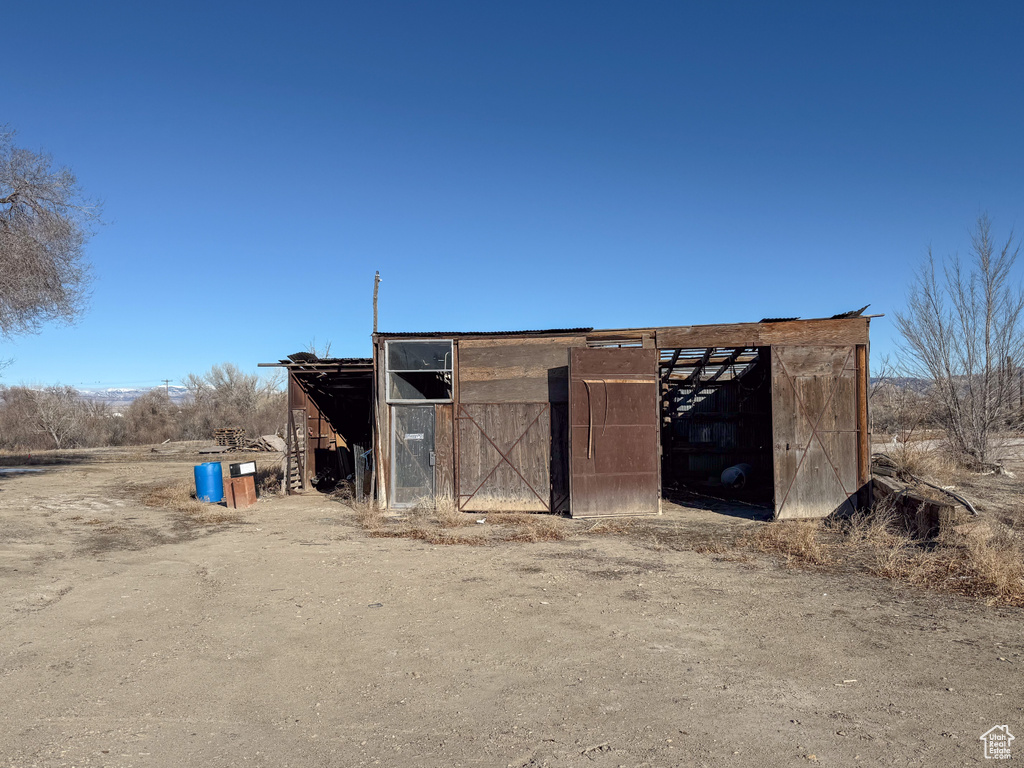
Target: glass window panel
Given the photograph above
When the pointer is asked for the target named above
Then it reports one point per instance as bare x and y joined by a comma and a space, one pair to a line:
420, 385
414, 442
419, 355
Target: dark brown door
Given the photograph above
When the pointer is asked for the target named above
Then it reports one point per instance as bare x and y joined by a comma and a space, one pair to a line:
613, 432
814, 421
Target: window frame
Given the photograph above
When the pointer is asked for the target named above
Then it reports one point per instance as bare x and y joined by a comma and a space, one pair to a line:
388, 370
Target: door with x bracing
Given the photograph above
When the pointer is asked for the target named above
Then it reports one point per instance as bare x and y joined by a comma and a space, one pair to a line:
504, 457
814, 423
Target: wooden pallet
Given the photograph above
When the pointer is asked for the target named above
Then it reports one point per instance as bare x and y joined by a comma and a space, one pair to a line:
229, 436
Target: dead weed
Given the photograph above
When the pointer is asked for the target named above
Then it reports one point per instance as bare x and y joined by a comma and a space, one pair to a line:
971, 560
796, 541
443, 523
530, 528
268, 479
180, 497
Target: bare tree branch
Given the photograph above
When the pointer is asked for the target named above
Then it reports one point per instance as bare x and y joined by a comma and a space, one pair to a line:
962, 331
45, 223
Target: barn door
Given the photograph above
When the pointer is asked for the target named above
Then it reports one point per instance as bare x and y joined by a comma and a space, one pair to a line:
814, 423
613, 432
504, 457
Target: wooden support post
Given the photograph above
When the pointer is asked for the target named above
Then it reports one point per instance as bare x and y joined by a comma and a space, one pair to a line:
376, 287
863, 428
455, 426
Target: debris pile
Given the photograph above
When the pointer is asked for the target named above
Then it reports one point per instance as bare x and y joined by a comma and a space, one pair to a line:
229, 436
263, 443
925, 508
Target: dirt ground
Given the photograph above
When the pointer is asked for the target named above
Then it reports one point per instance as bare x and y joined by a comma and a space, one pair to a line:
132, 636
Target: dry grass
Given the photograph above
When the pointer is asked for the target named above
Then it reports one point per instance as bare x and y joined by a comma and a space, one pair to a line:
444, 524
796, 541
611, 527
926, 460
268, 479
530, 528
367, 514
180, 497
981, 559
978, 559
434, 523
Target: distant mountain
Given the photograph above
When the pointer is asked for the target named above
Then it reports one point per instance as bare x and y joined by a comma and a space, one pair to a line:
122, 396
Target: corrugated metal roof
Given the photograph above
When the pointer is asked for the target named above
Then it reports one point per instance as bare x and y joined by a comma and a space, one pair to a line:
851, 313
452, 334
309, 359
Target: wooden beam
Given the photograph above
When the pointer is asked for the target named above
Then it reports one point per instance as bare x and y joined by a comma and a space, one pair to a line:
675, 359
863, 428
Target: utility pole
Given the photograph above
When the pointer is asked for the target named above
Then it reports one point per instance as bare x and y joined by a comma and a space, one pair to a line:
167, 387
376, 286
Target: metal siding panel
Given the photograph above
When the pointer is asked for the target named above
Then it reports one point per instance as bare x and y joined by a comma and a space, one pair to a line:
614, 432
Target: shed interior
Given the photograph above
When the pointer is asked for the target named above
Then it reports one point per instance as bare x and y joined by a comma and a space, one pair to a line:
716, 423
330, 403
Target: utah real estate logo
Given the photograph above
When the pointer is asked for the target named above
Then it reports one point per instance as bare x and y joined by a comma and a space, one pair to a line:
997, 742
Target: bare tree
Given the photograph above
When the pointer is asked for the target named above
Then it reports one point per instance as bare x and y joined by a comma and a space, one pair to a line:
323, 351
45, 223
60, 413
151, 418
962, 331
226, 396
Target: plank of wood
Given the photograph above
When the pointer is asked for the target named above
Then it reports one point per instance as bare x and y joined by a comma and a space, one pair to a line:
456, 399
444, 458
382, 463
842, 332
814, 426
514, 373
521, 432
863, 430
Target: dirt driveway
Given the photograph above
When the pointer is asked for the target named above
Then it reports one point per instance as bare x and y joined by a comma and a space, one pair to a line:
131, 637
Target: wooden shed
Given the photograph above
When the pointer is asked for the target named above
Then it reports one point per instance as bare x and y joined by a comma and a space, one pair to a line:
608, 422
330, 420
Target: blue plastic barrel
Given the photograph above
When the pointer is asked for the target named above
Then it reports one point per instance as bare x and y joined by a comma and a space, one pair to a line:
209, 481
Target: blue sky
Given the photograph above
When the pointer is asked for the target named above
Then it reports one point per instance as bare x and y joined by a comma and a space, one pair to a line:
504, 165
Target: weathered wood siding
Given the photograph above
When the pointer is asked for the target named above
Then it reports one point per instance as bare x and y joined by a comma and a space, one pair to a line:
504, 457
444, 452
382, 438
515, 370
846, 331
814, 424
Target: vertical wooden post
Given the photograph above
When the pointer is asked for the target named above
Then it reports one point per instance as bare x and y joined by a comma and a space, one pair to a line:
863, 433
374, 429
376, 287
455, 424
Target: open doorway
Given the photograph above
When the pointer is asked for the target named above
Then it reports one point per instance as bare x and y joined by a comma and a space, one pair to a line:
716, 425
330, 423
